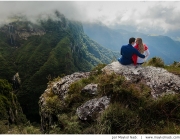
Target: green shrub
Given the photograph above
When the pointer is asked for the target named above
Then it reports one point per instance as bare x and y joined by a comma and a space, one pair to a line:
173, 69
97, 70
4, 126
120, 90
5, 87
67, 125
55, 105
171, 128
155, 61
117, 120
74, 95
166, 108
31, 130
143, 113
4, 105
106, 83
23, 129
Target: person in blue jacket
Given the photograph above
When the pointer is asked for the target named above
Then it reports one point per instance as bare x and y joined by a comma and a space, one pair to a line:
127, 52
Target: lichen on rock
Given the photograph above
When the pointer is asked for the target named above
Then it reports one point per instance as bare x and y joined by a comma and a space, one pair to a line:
92, 108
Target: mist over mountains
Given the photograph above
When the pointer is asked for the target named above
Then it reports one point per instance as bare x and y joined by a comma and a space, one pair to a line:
40, 45
54, 46
44, 50
159, 46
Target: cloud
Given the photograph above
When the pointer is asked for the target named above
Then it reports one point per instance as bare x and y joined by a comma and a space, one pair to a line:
145, 16
151, 17
163, 16
32, 9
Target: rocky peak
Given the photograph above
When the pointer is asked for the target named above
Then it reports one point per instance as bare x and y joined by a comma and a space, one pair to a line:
16, 81
159, 80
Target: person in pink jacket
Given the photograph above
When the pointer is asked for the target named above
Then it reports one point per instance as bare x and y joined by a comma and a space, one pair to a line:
143, 49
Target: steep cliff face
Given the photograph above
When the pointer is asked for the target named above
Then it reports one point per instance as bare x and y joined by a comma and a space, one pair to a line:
39, 52
57, 90
10, 109
91, 96
21, 30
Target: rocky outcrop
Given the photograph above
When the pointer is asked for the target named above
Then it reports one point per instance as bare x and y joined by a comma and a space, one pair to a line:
158, 79
92, 108
16, 81
10, 109
90, 89
61, 87
19, 30
24, 34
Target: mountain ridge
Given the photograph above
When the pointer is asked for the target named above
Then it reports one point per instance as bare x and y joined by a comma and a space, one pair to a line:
159, 46
59, 47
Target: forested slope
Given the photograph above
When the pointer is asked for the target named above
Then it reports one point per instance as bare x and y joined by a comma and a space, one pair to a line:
44, 50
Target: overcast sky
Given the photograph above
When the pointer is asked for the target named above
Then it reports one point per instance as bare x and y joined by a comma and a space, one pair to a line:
142, 15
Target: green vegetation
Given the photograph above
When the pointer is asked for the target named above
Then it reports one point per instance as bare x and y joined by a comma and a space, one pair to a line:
158, 62
155, 61
174, 68
10, 110
65, 49
132, 109
62, 50
26, 128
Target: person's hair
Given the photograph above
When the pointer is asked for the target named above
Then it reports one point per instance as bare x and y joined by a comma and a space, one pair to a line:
131, 40
140, 45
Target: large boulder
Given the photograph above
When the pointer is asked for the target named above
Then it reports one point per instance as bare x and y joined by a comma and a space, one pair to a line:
91, 109
90, 89
158, 79
62, 87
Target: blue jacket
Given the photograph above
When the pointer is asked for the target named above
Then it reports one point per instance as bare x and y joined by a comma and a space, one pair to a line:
127, 52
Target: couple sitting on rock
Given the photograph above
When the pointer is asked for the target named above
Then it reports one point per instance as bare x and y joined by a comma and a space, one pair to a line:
134, 55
